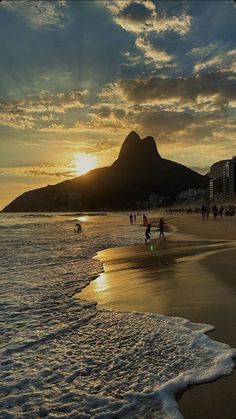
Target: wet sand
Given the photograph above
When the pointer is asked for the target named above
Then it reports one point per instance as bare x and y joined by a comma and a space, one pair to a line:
190, 275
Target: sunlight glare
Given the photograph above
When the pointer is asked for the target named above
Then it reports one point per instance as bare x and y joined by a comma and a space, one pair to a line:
84, 162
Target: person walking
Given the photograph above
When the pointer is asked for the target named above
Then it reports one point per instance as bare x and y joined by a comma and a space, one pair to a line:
160, 228
148, 233
203, 211
221, 211
215, 211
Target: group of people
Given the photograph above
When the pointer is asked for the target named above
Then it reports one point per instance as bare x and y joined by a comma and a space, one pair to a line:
205, 211
160, 228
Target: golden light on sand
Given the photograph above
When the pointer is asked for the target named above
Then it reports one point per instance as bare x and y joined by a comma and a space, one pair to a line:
84, 162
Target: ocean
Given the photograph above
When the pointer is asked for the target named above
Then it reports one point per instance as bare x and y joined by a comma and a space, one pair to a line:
60, 356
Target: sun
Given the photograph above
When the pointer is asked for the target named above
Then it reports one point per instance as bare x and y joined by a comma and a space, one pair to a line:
84, 162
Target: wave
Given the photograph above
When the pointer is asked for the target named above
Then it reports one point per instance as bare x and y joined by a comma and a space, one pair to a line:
62, 357
112, 364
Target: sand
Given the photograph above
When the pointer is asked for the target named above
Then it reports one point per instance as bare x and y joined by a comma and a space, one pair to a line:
191, 275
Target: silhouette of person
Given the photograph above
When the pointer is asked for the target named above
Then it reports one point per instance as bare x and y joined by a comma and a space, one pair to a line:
148, 233
160, 228
131, 218
134, 218
145, 220
221, 211
207, 211
78, 228
203, 211
215, 211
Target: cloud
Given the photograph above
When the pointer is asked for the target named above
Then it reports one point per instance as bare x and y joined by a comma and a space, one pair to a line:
214, 62
231, 53
204, 50
117, 6
224, 62
136, 17
33, 111
179, 24
39, 14
181, 113
16, 120
41, 170
193, 93
151, 52
142, 17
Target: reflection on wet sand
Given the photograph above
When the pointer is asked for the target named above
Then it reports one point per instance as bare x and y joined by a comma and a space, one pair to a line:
168, 280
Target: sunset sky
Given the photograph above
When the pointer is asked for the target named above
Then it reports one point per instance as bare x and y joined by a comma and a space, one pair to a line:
77, 76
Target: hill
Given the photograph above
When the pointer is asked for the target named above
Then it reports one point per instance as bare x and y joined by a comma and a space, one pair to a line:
138, 172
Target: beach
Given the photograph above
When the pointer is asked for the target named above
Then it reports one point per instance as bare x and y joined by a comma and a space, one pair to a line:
63, 355
190, 275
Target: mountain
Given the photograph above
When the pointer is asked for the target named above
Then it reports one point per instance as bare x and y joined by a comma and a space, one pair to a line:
138, 172
216, 170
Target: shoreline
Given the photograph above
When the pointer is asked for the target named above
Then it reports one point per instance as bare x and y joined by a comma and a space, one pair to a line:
132, 260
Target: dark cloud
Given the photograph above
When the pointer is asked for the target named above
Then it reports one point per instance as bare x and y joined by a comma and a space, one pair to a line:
141, 91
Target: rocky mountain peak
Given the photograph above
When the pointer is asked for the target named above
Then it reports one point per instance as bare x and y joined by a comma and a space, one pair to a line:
137, 152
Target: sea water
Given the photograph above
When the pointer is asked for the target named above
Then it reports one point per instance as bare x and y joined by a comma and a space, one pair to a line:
61, 357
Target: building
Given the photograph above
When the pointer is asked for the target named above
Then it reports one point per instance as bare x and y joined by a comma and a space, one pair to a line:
142, 204
192, 194
229, 178
153, 201
216, 188
156, 201
202, 194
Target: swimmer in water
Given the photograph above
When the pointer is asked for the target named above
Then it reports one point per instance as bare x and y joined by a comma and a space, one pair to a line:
78, 228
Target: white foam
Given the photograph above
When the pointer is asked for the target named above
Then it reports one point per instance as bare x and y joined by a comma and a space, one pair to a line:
62, 358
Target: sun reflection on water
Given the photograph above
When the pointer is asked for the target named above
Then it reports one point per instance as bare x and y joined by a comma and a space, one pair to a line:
83, 218
101, 283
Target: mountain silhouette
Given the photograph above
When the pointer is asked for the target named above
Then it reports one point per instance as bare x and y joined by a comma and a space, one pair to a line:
138, 172
139, 153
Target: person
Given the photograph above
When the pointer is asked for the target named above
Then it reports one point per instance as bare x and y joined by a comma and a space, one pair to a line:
215, 211
207, 211
134, 218
145, 220
148, 233
203, 211
160, 228
78, 228
131, 218
221, 211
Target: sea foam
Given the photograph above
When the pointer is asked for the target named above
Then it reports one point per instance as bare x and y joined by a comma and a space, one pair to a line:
62, 358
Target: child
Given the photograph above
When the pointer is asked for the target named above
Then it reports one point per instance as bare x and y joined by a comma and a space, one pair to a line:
148, 233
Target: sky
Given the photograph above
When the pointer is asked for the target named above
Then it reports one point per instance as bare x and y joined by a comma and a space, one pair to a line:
77, 76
